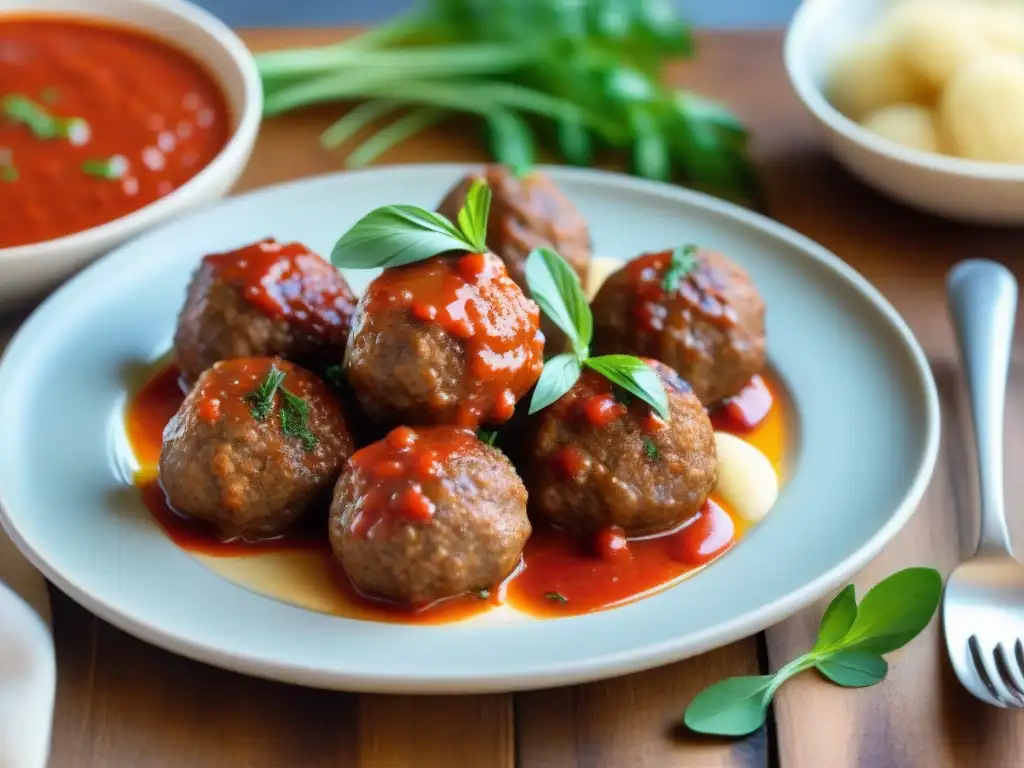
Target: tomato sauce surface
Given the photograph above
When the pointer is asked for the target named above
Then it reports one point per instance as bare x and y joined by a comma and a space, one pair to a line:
560, 574
289, 282
472, 298
96, 121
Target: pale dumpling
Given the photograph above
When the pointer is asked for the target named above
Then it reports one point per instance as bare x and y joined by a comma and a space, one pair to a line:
934, 40
910, 125
869, 74
982, 109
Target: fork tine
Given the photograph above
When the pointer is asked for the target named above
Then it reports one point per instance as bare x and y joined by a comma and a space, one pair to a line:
1010, 672
983, 664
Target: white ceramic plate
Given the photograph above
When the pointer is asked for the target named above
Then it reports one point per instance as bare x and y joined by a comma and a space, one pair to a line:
863, 394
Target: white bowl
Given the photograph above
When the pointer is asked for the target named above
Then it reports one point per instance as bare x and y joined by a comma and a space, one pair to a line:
967, 190
27, 271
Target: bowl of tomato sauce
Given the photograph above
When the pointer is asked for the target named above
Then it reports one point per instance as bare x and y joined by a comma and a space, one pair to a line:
114, 116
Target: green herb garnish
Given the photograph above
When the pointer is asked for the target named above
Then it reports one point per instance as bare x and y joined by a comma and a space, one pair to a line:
294, 410
851, 642
111, 168
556, 289
482, 594
578, 73
402, 234
682, 263
488, 436
261, 399
8, 173
651, 449
556, 597
38, 119
295, 419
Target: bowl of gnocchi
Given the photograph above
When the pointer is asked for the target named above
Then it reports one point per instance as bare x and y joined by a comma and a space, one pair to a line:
922, 100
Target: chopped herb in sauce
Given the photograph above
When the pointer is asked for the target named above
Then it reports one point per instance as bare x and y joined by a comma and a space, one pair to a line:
295, 419
38, 119
8, 173
261, 399
651, 449
111, 168
482, 594
556, 597
294, 410
683, 262
489, 436
335, 375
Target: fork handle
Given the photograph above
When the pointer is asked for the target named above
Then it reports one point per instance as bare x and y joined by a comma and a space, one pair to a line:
983, 301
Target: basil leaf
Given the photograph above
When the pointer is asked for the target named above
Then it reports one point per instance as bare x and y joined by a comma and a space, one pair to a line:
635, 376
557, 378
473, 216
838, 618
394, 235
555, 286
895, 611
735, 706
854, 669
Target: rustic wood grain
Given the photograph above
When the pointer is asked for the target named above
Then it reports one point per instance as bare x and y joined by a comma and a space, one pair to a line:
122, 702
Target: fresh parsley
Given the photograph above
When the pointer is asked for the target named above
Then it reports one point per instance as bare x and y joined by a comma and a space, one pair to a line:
37, 118
651, 449
295, 419
556, 597
402, 234
682, 263
556, 289
114, 167
261, 399
851, 642
294, 414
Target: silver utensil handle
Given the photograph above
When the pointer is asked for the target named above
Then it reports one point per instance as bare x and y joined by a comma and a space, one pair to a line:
983, 301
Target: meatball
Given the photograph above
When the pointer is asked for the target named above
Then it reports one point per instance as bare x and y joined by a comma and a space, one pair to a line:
709, 327
527, 213
268, 298
449, 340
592, 461
255, 442
426, 514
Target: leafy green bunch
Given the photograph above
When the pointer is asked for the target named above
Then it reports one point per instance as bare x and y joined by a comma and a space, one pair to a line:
582, 75
851, 642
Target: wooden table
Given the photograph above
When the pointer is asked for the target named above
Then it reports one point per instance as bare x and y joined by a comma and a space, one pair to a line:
121, 702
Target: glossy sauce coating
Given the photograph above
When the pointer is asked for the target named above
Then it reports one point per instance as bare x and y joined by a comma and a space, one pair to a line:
472, 298
287, 281
144, 102
389, 475
655, 304
590, 573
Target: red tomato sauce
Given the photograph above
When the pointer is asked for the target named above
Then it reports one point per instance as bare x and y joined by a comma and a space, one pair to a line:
289, 282
135, 119
474, 300
698, 290
559, 575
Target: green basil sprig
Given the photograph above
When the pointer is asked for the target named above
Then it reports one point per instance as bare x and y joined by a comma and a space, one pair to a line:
848, 651
394, 235
556, 289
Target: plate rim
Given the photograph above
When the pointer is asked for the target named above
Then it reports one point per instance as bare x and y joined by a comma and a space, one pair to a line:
637, 658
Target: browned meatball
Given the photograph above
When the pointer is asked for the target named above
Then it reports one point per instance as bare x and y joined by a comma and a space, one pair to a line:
449, 340
268, 298
426, 514
253, 444
591, 461
527, 213
710, 328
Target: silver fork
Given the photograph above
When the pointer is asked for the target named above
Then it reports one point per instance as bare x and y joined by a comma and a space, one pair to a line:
983, 609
